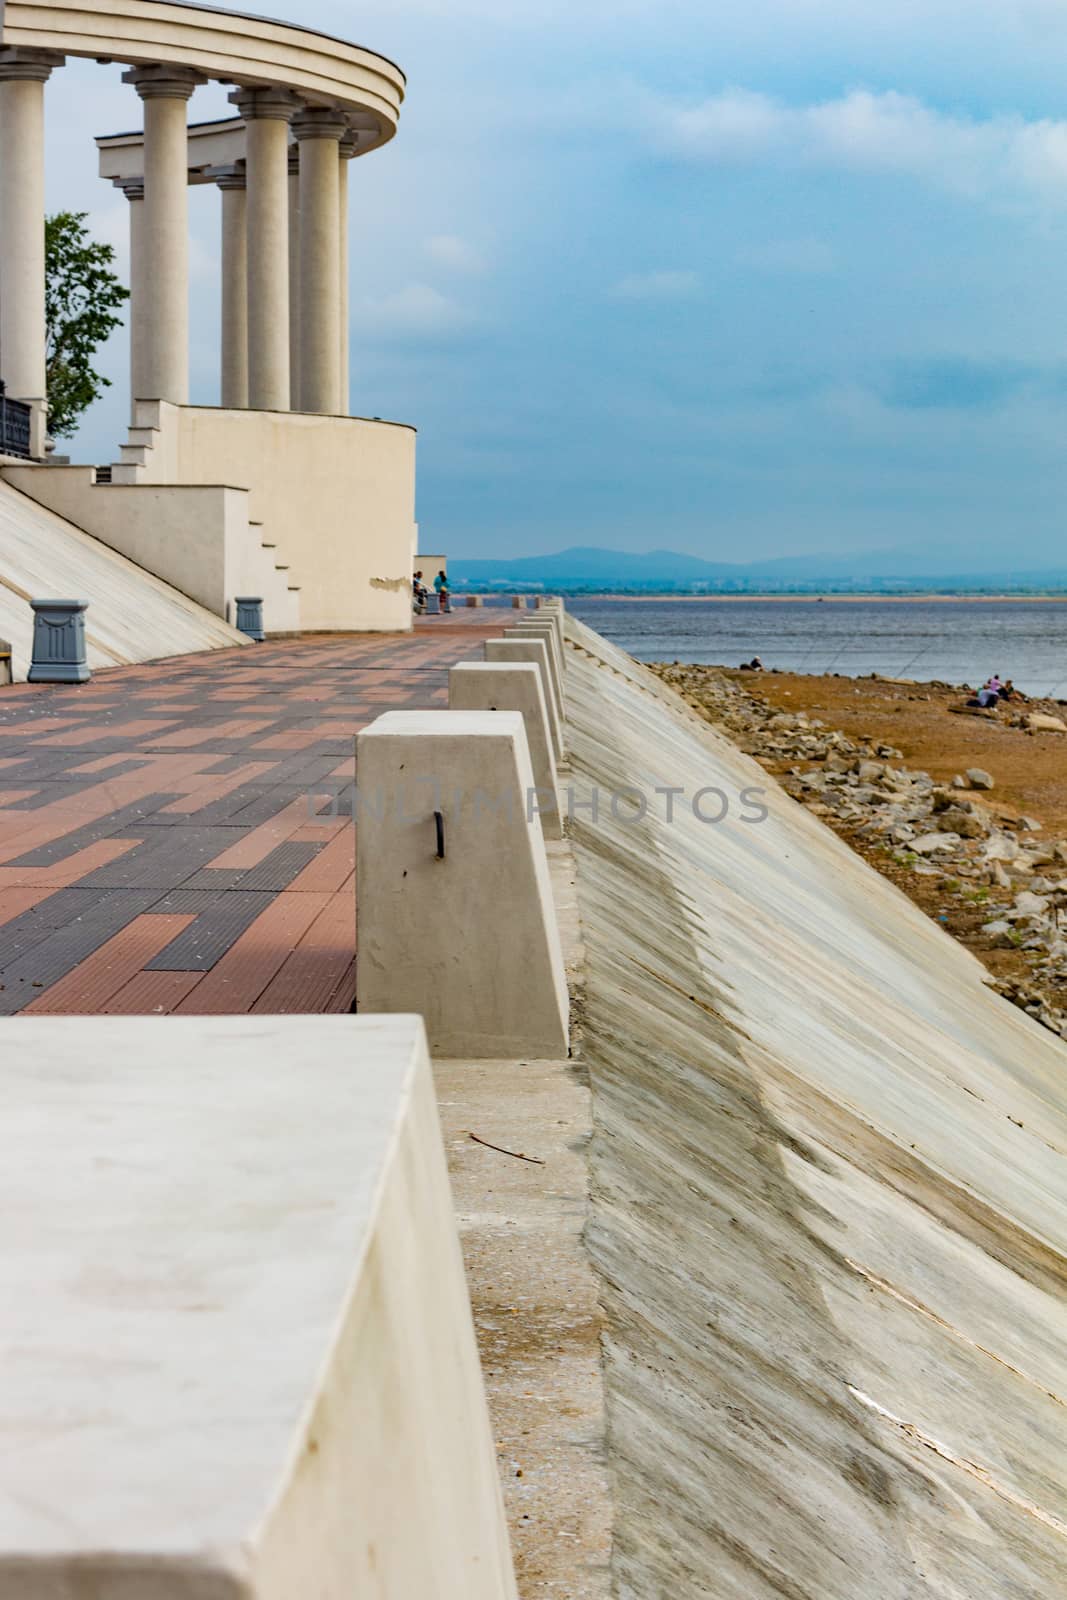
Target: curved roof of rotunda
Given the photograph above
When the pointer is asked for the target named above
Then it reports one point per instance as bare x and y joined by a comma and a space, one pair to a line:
226, 45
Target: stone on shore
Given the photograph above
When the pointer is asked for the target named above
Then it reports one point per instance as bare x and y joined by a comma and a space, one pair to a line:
967, 823
929, 844
978, 778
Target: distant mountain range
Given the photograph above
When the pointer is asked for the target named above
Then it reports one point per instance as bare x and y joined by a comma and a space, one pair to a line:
669, 571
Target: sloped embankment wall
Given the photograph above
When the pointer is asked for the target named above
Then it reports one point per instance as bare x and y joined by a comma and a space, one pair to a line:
829, 1199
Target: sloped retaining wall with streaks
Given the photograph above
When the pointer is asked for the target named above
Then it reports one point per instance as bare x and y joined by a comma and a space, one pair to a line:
829, 1198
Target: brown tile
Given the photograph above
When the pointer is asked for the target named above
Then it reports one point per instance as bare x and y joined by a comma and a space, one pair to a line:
86, 990
332, 867
257, 845
236, 981
344, 996
14, 901
90, 733
69, 871
312, 973
208, 789
152, 994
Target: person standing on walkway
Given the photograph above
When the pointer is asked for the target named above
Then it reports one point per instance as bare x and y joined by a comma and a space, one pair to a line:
440, 583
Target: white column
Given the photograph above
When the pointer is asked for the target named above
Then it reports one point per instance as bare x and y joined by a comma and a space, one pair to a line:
234, 338
133, 189
266, 113
165, 91
347, 151
294, 278
318, 133
23, 74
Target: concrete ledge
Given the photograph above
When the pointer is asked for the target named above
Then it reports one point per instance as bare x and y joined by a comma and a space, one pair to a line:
468, 937
238, 1359
535, 650
490, 686
193, 536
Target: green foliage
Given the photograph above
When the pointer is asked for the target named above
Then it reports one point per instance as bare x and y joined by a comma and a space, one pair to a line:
82, 300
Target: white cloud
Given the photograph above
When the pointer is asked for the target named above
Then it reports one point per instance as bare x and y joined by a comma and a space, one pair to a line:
448, 250
417, 310
662, 285
1001, 157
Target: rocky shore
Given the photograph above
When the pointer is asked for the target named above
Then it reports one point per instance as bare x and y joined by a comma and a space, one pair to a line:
986, 872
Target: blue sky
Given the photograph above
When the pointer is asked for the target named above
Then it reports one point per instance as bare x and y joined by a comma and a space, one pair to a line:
741, 281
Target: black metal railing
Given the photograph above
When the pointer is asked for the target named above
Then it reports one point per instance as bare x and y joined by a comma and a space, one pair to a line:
14, 427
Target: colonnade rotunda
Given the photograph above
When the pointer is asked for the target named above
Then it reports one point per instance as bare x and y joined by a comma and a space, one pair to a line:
295, 499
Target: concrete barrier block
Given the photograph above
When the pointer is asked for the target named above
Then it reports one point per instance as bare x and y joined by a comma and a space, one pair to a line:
546, 632
543, 628
475, 600
549, 625
455, 910
495, 686
518, 602
534, 650
237, 1359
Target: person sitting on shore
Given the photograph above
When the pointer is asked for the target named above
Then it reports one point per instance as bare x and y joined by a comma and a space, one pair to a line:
1007, 690
989, 693
755, 665
440, 583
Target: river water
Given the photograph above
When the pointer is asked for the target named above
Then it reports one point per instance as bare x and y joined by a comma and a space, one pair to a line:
960, 641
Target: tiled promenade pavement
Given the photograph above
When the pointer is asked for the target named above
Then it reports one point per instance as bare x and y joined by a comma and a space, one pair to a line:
178, 836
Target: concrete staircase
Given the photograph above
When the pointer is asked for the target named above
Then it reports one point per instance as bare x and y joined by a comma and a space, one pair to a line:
141, 460
132, 615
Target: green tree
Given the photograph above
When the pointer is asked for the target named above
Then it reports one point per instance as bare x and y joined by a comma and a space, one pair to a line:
82, 300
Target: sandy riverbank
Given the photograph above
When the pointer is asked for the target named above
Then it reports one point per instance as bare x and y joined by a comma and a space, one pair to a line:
1030, 769
888, 783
